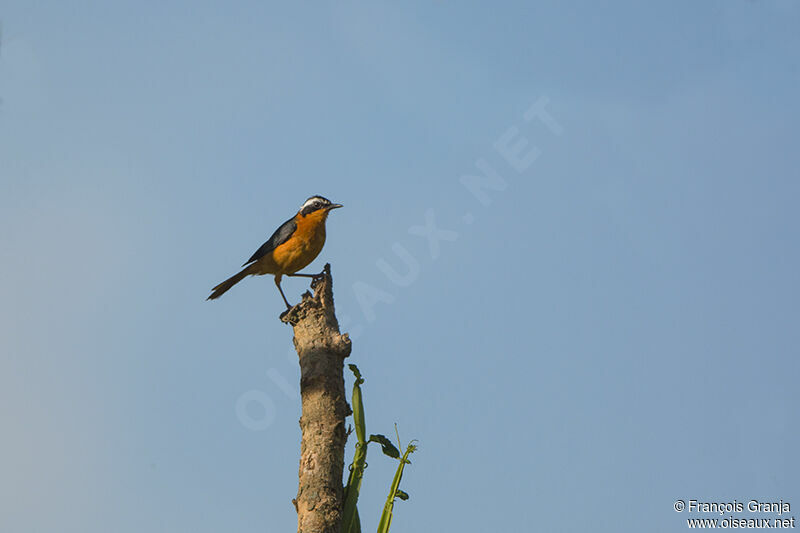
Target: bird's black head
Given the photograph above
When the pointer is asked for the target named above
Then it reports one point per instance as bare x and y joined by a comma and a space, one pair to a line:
317, 203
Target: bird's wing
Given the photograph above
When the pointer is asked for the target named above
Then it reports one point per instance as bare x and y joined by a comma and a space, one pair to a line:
280, 236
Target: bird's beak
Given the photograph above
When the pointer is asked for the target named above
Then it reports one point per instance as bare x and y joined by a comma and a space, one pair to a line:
334, 206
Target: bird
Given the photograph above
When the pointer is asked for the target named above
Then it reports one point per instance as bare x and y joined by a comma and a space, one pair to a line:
293, 246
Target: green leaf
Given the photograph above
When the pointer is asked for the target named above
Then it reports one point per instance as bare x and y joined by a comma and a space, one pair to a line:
394, 492
403, 495
350, 519
356, 373
386, 445
358, 415
356, 527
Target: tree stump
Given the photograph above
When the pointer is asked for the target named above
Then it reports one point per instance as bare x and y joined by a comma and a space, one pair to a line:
321, 349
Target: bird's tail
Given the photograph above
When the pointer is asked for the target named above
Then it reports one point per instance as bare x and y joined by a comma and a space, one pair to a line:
223, 287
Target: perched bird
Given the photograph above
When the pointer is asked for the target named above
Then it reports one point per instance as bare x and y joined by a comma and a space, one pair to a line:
292, 247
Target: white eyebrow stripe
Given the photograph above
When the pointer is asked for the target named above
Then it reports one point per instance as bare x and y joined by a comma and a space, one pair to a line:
311, 201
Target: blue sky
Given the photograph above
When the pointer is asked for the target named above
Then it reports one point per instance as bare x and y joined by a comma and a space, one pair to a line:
613, 329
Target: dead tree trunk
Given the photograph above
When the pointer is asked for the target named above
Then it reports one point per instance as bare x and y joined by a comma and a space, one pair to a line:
322, 350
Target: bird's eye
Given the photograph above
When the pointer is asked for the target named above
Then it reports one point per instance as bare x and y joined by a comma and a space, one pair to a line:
317, 204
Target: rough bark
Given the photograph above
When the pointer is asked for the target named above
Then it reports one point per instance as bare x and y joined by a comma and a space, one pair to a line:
321, 350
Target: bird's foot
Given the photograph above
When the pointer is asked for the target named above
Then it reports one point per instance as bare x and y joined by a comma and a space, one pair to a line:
315, 277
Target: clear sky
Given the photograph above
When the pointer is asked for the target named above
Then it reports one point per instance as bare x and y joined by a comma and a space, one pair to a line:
609, 326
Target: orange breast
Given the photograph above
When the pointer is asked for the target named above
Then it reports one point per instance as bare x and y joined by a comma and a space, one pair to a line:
303, 246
